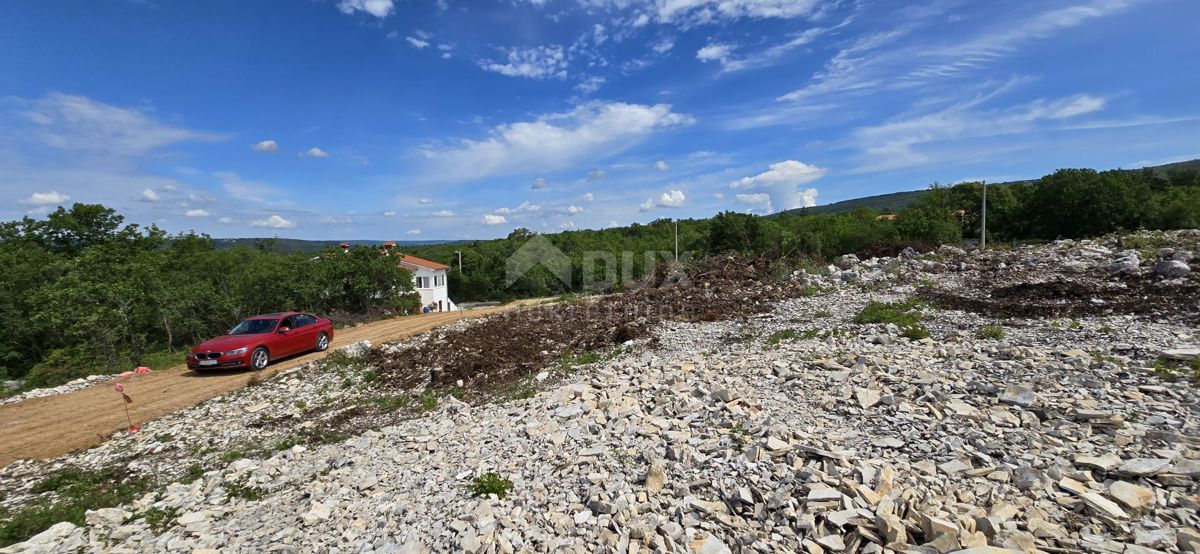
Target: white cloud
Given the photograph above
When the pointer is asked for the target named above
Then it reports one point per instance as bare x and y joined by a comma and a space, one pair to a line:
877, 62
266, 146
903, 142
671, 199
719, 195
593, 130
538, 184
492, 219
196, 213
274, 222
788, 172
590, 85
46, 198
336, 219
389, 213
709, 11
413, 232
588, 197
714, 52
599, 34
377, 8
241, 189
315, 152
567, 225
526, 207
418, 43
781, 184
596, 174
663, 46
539, 62
78, 123
443, 213
771, 55
573, 209
425, 201
148, 195
225, 220
661, 165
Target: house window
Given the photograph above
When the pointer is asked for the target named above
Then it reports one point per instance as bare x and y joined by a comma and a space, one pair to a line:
422, 282
439, 280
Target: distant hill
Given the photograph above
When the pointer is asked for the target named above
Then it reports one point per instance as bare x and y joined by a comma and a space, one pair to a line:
298, 245
896, 201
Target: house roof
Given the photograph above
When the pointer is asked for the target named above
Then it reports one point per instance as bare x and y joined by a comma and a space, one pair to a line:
421, 262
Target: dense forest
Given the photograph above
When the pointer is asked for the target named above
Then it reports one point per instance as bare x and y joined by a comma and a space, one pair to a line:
81, 292
1069, 203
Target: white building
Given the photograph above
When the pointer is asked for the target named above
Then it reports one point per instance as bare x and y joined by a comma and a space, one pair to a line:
429, 278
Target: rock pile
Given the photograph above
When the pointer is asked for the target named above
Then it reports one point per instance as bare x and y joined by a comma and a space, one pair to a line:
793, 430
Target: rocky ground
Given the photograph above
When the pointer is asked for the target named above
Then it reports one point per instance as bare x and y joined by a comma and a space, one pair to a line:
1024, 421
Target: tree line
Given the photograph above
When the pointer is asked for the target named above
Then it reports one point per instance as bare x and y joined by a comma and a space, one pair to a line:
81, 292
1069, 203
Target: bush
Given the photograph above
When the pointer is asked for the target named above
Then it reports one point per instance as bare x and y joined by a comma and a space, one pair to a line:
990, 332
490, 483
901, 314
779, 336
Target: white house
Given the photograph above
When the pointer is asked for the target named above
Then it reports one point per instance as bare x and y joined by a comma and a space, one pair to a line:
429, 278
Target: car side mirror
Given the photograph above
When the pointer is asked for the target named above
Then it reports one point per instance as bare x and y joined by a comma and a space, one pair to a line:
284, 329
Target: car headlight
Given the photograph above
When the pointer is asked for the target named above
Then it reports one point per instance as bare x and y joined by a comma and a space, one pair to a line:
237, 351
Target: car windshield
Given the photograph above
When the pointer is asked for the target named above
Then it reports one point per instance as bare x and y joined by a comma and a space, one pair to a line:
254, 327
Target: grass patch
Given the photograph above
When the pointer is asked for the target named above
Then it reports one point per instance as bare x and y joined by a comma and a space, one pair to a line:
823, 314
159, 519
779, 336
490, 483
244, 491
990, 332
522, 392
904, 315
75, 492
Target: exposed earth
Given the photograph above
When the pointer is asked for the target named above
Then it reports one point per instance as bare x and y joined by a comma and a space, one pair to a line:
49, 426
1041, 399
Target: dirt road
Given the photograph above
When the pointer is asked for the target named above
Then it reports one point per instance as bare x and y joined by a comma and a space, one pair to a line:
54, 425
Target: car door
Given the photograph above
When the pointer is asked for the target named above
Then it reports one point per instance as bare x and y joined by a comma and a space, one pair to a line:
307, 336
289, 341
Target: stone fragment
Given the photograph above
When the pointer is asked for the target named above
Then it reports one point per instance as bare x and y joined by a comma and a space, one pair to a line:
866, 397
1132, 496
1019, 395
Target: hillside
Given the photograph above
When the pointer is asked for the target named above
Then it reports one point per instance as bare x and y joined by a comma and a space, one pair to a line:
896, 201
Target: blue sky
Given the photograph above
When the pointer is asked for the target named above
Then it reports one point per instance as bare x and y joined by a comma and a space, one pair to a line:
449, 119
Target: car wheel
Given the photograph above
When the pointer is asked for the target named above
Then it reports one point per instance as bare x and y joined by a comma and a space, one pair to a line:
259, 358
322, 342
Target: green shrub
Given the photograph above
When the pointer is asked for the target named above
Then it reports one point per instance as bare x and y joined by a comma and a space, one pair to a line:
490, 483
244, 491
159, 519
779, 336
990, 332
900, 314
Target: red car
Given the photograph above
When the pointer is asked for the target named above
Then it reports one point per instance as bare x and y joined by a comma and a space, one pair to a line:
257, 340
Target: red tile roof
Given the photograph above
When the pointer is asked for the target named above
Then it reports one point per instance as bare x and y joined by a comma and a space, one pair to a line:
421, 262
